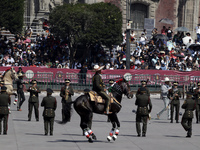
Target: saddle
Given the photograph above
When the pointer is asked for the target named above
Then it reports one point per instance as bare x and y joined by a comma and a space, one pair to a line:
98, 99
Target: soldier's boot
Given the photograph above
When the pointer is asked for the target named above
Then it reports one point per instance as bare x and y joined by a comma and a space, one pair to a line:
144, 134
189, 133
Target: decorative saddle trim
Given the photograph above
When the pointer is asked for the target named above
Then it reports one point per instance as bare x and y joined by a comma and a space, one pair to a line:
98, 99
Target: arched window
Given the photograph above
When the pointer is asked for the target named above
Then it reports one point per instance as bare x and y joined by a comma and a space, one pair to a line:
138, 13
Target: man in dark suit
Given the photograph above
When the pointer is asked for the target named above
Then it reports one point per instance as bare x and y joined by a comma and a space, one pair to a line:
33, 100
66, 93
197, 98
99, 87
50, 104
189, 106
4, 111
83, 73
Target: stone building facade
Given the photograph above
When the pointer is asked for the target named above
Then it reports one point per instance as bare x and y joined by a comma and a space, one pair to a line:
181, 12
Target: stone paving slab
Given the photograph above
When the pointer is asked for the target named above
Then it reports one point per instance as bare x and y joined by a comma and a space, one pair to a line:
161, 134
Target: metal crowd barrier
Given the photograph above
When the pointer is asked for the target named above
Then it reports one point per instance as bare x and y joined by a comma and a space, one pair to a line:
83, 81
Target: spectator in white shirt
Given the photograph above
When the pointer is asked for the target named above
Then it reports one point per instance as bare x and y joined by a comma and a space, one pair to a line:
10, 59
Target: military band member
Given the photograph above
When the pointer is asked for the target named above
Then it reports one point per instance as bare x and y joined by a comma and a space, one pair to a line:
197, 98
174, 95
4, 111
33, 100
189, 106
66, 93
98, 86
50, 104
144, 105
20, 92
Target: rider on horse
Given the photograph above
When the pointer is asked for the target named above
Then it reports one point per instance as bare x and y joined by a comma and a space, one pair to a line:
98, 86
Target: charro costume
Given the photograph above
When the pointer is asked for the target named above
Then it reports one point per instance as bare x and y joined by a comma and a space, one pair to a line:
4, 111
66, 93
99, 87
174, 95
144, 105
50, 104
189, 106
33, 100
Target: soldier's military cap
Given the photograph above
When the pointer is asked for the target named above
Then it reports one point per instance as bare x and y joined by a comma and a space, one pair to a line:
144, 82
175, 83
3, 88
49, 90
67, 80
33, 81
198, 83
1, 82
111, 81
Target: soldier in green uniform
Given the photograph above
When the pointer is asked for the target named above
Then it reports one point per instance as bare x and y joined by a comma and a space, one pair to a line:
144, 105
197, 98
4, 111
144, 85
189, 106
99, 87
174, 95
33, 100
66, 93
50, 104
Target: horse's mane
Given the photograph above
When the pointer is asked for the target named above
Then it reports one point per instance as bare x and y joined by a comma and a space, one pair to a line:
6, 72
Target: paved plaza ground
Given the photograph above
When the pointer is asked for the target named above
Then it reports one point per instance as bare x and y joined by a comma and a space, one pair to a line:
161, 135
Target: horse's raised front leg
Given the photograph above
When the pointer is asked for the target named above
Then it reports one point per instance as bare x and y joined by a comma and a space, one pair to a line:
114, 131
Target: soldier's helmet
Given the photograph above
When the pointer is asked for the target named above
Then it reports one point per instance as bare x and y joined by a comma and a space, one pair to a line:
198, 83
50, 91
67, 80
143, 82
34, 81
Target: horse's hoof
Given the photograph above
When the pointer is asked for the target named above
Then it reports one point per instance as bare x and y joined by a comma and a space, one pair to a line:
109, 138
90, 140
94, 137
114, 137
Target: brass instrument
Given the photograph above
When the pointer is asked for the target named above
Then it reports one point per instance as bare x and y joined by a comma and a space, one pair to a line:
66, 94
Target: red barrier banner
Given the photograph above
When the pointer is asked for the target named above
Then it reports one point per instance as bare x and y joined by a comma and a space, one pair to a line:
58, 75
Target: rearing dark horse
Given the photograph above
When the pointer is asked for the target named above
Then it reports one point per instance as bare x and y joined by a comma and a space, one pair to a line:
85, 108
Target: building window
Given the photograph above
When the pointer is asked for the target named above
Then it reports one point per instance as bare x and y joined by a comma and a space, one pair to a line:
138, 13
81, 1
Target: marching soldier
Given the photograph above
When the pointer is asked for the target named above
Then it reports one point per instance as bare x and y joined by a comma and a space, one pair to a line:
66, 93
189, 106
98, 86
50, 104
144, 85
33, 100
174, 95
144, 108
4, 111
197, 98
20, 92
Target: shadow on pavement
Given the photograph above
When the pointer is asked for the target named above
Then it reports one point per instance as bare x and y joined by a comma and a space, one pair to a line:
35, 134
74, 134
128, 121
20, 120
176, 136
76, 141
128, 135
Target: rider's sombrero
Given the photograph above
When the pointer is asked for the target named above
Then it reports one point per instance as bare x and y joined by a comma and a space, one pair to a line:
97, 68
20, 74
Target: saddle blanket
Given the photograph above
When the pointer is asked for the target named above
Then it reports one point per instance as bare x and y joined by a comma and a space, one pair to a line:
96, 98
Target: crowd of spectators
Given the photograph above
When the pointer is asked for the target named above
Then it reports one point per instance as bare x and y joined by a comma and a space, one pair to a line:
167, 52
